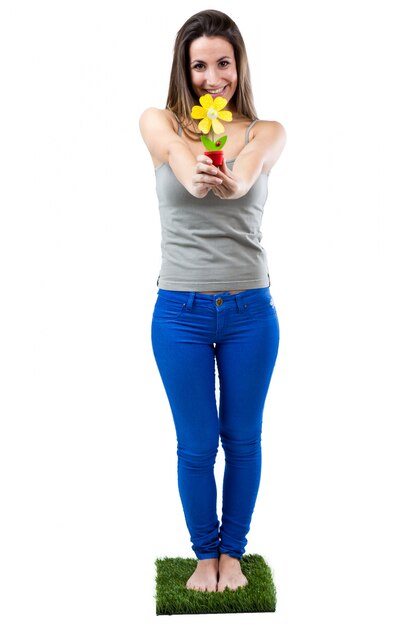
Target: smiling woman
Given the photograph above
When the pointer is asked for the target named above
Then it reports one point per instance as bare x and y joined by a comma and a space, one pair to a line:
210, 64
214, 303
217, 75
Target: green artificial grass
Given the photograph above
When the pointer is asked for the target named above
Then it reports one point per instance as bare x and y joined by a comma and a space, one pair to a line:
173, 598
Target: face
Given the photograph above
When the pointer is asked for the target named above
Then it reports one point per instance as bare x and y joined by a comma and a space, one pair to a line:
213, 67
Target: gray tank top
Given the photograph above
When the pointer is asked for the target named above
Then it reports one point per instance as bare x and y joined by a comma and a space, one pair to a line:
210, 244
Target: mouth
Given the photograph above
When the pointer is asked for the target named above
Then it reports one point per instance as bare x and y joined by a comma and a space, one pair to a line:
216, 92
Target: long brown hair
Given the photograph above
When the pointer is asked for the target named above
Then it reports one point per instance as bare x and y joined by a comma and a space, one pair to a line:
181, 97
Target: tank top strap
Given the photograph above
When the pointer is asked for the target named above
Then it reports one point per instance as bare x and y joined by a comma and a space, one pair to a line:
179, 125
248, 129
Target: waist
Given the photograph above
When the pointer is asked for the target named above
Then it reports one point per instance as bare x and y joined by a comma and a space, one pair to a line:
214, 292
212, 299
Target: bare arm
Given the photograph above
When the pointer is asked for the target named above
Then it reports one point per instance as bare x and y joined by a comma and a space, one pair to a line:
164, 144
259, 155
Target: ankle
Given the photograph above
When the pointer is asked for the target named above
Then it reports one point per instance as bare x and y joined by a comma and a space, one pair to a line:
208, 563
228, 557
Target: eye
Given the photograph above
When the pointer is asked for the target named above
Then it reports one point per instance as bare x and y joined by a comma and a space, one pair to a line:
223, 64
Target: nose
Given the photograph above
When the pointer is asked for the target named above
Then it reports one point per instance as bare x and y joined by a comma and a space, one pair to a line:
212, 78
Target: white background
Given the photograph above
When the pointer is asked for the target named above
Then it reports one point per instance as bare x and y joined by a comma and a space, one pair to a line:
87, 447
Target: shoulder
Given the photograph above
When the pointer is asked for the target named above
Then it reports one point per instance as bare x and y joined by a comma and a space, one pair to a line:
159, 130
159, 117
268, 139
269, 128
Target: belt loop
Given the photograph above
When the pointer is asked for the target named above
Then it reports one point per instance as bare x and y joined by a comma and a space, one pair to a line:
239, 297
190, 301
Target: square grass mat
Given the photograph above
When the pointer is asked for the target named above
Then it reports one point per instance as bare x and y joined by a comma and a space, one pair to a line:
173, 598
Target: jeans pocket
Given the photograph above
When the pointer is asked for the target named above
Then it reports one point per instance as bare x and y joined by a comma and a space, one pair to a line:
167, 310
262, 308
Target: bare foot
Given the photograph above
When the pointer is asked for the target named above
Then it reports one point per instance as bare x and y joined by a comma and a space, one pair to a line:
230, 573
205, 576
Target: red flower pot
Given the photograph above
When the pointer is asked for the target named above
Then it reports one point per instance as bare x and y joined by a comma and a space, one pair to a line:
216, 156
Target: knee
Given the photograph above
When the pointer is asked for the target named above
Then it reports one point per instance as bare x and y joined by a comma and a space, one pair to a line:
241, 449
197, 458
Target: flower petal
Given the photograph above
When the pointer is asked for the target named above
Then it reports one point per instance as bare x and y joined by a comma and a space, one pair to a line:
197, 113
219, 103
205, 125
225, 115
218, 127
206, 101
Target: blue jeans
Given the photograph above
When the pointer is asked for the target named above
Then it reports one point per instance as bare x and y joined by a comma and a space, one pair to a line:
191, 332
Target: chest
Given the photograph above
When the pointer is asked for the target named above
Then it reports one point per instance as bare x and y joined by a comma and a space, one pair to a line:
236, 141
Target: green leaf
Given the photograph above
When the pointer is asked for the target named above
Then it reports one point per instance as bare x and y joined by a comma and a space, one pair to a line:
207, 143
222, 142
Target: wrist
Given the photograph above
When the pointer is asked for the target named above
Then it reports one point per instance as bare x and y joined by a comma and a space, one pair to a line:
197, 191
241, 189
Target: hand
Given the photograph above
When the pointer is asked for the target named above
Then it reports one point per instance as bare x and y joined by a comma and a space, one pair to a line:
206, 177
231, 187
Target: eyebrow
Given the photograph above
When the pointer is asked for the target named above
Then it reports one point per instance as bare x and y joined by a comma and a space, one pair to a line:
218, 60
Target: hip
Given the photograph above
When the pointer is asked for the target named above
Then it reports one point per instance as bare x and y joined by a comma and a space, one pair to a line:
215, 310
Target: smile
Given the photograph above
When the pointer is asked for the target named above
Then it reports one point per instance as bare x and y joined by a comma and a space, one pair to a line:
216, 91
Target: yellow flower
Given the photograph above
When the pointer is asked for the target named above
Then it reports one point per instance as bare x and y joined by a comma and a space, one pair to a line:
210, 112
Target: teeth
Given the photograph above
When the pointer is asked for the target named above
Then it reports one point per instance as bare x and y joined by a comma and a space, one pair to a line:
217, 90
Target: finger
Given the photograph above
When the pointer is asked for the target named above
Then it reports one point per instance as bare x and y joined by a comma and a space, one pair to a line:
209, 169
207, 180
202, 158
218, 190
224, 170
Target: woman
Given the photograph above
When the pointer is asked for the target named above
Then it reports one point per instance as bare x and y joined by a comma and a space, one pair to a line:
214, 305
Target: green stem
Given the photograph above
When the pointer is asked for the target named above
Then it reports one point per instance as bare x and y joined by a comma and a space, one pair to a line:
212, 134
